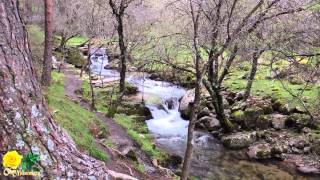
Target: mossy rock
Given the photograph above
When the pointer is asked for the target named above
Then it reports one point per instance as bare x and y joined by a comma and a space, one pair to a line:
295, 80
299, 121
130, 89
138, 109
75, 58
315, 148
250, 117
263, 122
238, 115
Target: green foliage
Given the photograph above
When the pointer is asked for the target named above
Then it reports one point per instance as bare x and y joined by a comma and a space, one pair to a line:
136, 131
75, 119
29, 161
75, 57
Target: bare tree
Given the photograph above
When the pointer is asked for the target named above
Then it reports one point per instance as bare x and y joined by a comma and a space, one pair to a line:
195, 11
118, 10
47, 57
252, 75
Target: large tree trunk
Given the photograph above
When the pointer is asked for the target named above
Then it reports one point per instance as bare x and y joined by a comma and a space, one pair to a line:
47, 56
25, 123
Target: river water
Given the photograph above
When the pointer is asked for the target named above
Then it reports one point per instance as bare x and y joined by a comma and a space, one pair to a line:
210, 159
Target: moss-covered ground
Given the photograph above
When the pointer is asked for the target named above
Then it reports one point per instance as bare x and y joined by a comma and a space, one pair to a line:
82, 125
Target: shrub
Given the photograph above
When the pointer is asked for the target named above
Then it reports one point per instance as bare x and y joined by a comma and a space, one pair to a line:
75, 57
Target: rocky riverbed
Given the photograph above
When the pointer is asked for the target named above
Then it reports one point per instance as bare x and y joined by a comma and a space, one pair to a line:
266, 129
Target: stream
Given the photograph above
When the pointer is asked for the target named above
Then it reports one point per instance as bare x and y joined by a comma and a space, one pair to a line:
210, 159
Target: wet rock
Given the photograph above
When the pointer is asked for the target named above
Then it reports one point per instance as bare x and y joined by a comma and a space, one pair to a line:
309, 170
154, 76
129, 152
260, 151
278, 121
171, 103
94, 77
205, 112
306, 150
210, 123
307, 164
239, 105
186, 104
137, 109
112, 65
239, 96
239, 140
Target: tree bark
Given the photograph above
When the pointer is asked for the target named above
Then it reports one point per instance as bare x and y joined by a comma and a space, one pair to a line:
47, 56
119, 12
123, 57
25, 123
193, 117
93, 106
252, 75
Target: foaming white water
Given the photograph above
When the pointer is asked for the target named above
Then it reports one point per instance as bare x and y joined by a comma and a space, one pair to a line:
166, 122
163, 89
98, 62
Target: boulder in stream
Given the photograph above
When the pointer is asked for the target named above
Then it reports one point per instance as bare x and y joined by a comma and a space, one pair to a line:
186, 103
260, 151
239, 140
208, 123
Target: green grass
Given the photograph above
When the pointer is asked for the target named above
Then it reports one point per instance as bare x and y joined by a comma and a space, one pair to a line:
273, 88
76, 41
102, 96
81, 125
108, 142
73, 42
139, 167
139, 132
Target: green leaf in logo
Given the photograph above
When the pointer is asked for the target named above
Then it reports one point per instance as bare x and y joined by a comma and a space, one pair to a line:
29, 161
